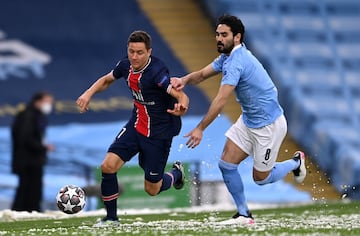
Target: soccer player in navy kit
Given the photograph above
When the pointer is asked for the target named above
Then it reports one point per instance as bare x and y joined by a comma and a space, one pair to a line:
260, 129
154, 122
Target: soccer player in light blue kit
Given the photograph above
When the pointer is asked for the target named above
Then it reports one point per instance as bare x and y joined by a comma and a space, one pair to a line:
260, 129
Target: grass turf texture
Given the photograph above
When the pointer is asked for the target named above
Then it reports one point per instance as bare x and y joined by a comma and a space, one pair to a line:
318, 219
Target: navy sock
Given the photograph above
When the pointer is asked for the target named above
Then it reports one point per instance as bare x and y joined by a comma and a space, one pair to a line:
110, 193
167, 181
170, 178
176, 174
234, 184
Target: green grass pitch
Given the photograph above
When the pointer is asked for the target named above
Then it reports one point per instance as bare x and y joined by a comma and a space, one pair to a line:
316, 219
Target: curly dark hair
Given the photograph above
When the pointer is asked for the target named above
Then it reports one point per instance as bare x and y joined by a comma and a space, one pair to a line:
234, 23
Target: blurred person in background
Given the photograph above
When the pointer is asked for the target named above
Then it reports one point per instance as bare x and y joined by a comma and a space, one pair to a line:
261, 127
29, 151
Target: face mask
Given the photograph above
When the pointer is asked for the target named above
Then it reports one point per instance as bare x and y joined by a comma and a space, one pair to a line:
46, 108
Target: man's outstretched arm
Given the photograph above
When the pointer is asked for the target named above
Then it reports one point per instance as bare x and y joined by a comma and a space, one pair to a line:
100, 85
214, 110
194, 77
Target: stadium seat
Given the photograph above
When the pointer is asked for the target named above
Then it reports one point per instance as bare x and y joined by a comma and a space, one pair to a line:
303, 49
326, 138
293, 22
298, 7
349, 50
305, 35
356, 104
344, 8
352, 36
304, 110
319, 81
344, 23
346, 177
353, 81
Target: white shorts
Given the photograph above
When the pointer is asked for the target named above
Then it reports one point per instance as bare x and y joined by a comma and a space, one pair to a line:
262, 144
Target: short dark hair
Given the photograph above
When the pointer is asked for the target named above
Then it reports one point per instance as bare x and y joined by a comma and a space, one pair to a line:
140, 36
235, 24
39, 96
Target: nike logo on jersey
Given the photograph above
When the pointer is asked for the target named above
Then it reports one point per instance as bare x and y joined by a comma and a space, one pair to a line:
153, 173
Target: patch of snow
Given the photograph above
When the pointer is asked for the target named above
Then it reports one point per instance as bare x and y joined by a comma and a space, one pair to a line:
9, 215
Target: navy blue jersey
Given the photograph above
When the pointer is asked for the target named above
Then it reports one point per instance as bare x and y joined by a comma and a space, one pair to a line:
150, 89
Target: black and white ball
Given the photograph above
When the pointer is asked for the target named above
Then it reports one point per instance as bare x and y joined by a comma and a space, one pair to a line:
70, 199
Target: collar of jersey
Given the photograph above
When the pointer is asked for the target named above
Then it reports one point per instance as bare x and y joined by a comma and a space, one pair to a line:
236, 47
140, 71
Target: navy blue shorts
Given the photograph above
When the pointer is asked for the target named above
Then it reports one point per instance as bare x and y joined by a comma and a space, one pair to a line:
153, 153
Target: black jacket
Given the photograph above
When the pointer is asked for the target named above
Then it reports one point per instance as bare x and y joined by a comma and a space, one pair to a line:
27, 133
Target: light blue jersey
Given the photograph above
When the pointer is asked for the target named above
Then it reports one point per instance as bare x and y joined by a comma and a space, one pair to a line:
254, 90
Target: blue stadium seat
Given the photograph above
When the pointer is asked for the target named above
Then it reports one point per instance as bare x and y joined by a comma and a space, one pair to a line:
215, 8
298, 7
356, 103
306, 35
294, 22
343, 7
245, 6
346, 176
326, 138
304, 110
319, 81
344, 23
350, 55
352, 79
349, 50
301, 48
350, 36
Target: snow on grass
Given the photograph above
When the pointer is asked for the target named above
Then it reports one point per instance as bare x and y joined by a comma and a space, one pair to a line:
314, 219
9, 215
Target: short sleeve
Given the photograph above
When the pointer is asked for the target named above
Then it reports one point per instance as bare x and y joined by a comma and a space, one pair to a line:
231, 73
217, 64
120, 69
163, 80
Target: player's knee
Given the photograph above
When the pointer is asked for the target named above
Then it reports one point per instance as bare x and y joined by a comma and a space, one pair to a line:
108, 167
260, 182
151, 190
261, 178
257, 178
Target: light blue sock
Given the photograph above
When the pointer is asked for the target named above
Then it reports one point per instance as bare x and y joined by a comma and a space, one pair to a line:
234, 185
280, 170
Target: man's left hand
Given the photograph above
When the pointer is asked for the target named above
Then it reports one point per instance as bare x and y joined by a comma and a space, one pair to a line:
195, 137
178, 110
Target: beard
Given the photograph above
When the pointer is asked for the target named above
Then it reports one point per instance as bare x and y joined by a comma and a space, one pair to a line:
221, 48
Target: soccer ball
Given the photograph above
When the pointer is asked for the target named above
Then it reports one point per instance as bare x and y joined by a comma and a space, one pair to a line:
70, 199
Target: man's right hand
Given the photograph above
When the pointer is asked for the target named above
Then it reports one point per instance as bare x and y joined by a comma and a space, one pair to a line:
83, 102
177, 83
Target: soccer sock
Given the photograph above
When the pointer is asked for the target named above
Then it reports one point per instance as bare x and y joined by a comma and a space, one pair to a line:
110, 193
167, 181
170, 178
176, 174
234, 185
279, 171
